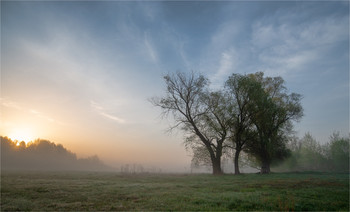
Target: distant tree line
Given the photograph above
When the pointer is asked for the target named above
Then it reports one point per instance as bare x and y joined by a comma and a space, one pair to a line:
44, 155
250, 113
309, 155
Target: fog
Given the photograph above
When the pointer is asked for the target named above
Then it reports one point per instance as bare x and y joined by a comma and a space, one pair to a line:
307, 154
45, 155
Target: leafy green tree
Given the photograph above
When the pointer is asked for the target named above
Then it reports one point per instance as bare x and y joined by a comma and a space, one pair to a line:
199, 113
311, 156
339, 153
271, 110
239, 88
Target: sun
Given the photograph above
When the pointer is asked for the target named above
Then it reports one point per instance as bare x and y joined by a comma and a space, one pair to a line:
23, 134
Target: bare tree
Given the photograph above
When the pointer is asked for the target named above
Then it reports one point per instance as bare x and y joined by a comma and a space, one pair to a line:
199, 113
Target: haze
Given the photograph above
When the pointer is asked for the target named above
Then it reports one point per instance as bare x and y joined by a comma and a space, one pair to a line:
80, 73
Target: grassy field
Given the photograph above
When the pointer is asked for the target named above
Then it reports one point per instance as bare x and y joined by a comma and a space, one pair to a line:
110, 191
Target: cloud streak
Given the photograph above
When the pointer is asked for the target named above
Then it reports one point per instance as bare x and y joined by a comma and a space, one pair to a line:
228, 62
10, 104
150, 49
41, 115
289, 48
14, 105
101, 111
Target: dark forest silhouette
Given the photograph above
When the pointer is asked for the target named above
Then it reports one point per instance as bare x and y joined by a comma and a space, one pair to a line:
44, 155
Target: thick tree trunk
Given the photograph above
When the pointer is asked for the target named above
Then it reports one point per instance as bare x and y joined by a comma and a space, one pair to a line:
216, 166
236, 161
265, 168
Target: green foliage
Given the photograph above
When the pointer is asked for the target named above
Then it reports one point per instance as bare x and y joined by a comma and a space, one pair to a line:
309, 155
238, 89
254, 112
338, 152
271, 110
83, 191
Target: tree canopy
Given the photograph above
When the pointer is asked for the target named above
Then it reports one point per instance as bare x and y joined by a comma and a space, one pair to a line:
272, 111
198, 112
252, 113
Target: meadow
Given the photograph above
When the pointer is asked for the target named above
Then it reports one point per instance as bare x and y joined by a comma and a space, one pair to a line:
97, 191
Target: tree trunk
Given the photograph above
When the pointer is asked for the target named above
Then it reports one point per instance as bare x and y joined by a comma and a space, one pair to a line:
236, 161
216, 166
265, 168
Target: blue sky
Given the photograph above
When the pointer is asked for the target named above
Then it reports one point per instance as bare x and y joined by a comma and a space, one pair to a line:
80, 73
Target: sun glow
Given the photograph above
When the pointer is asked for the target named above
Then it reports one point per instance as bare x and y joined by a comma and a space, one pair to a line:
19, 135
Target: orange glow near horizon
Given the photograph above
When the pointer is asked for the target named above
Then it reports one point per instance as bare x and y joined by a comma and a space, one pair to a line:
21, 134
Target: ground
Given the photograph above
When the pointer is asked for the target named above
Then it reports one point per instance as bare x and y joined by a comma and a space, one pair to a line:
81, 191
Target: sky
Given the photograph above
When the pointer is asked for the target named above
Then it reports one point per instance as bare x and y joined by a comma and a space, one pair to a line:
81, 73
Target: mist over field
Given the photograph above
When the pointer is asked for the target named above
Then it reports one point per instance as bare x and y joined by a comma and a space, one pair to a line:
174, 105
43, 155
307, 154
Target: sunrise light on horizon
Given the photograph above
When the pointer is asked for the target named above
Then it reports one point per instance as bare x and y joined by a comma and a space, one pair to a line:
81, 73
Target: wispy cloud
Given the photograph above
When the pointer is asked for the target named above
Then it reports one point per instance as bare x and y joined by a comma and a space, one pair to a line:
228, 62
14, 105
150, 49
10, 104
225, 35
101, 111
114, 118
43, 116
220, 58
289, 48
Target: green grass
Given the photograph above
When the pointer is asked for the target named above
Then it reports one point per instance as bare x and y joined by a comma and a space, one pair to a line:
109, 191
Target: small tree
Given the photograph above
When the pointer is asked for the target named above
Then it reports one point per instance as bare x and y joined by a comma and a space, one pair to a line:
198, 112
312, 156
339, 152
